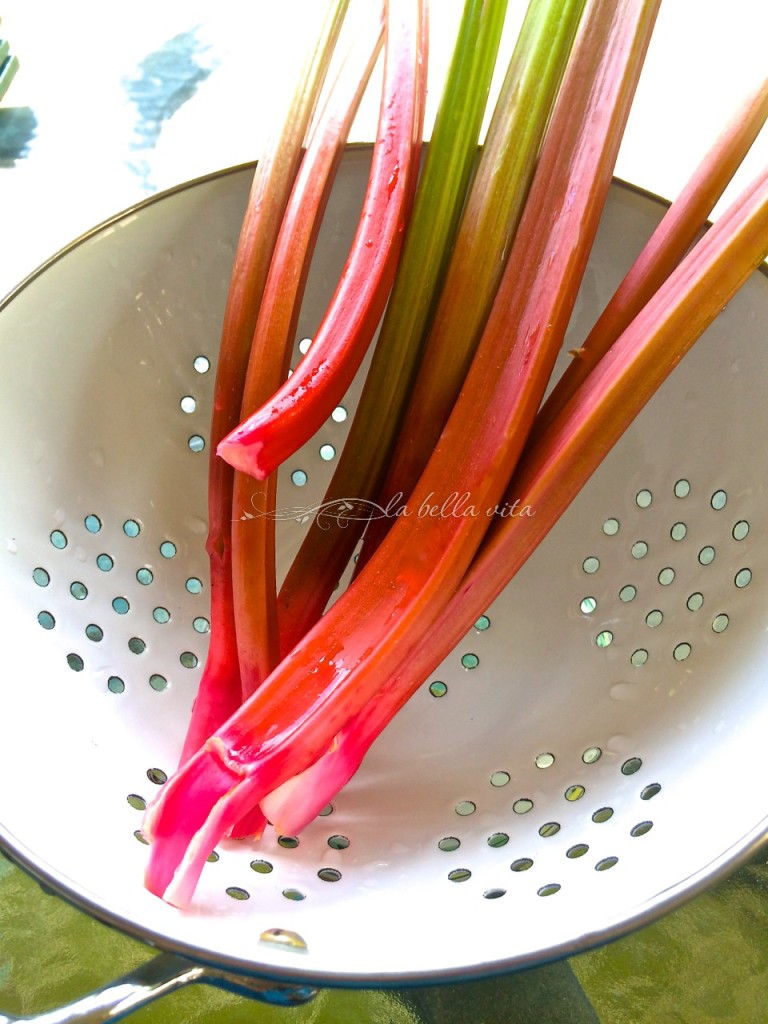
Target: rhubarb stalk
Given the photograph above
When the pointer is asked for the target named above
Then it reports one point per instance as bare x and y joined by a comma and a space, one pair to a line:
293, 717
330, 542
253, 532
219, 691
303, 403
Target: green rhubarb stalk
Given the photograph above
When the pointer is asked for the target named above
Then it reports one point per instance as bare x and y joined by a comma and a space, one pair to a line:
683, 221
219, 692
347, 657
253, 533
492, 215
439, 199
304, 402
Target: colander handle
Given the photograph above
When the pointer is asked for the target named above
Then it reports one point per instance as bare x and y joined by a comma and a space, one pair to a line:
157, 977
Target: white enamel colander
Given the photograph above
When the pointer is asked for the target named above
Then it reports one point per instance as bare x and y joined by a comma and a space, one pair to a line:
590, 755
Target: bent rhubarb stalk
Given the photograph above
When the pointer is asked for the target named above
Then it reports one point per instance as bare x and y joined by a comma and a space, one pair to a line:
682, 222
494, 206
330, 541
341, 664
219, 692
303, 403
253, 533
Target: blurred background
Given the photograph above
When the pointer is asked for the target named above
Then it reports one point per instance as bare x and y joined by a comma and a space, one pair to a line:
113, 102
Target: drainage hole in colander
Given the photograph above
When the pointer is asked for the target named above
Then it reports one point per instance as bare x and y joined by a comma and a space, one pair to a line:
136, 645
682, 489
469, 661
465, 807
641, 829
588, 605
121, 605
161, 615
604, 638
304, 345
75, 662
482, 624
58, 539
591, 755
707, 555
611, 527
522, 806
459, 875
212, 857
144, 576
261, 867
202, 364
500, 778
497, 840
681, 652
194, 585
328, 809
236, 893
329, 875
288, 842
545, 760
449, 843
549, 829
339, 414
138, 803
743, 578
718, 500
46, 620
631, 766
294, 894
131, 528
105, 562
438, 688
78, 590
574, 852
602, 814
299, 478
666, 576
115, 684
654, 618
574, 793
628, 593
157, 775
41, 577
138, 834
521, 864
188, 404
739, 532
327, 452
639, 549
606, 863
644, 498
188, 659
548, 890
168, 549
200, 624
678, 531
196, 443
695, 601
590, 565
650, 791
494, 894
158, 682
720, 623
338, 842
638, 657
92, 523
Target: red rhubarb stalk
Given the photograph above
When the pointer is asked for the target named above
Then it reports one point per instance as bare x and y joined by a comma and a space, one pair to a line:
683, 221
303, 403
555, 465
293, 717
494, 207
219, 692
253, 533
331, 539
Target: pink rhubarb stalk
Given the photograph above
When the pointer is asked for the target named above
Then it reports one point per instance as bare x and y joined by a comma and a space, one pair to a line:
346, 659
219, 692
303, 403
253, 533
683, 221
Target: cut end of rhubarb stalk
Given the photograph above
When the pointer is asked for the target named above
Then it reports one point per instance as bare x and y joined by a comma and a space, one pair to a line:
243, 453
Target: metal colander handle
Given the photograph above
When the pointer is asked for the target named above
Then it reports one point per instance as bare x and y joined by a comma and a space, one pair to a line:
157, 977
